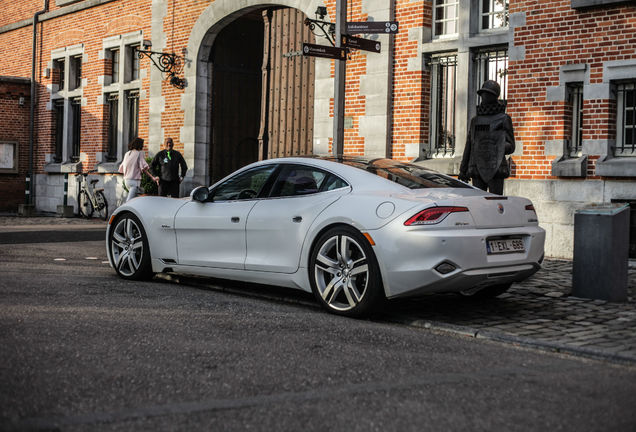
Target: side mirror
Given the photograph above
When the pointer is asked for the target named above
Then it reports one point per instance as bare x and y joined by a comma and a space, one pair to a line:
200, 194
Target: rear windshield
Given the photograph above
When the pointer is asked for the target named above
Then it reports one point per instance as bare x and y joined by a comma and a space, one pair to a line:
408, 175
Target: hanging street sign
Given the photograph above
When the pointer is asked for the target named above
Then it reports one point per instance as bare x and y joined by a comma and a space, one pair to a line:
387, 27
361, 44
324, 51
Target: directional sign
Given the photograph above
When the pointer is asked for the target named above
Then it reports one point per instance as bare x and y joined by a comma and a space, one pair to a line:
387, 27
324, 51
360, 43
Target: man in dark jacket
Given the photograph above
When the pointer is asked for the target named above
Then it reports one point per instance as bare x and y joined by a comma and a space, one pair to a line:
490, 139
166, 164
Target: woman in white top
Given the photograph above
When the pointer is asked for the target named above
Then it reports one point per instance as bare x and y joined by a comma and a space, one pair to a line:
133, 165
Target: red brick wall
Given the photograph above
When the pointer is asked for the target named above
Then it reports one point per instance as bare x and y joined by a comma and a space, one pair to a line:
554, 35
14, 119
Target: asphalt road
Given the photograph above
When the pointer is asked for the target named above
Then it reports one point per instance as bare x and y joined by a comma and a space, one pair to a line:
84, 350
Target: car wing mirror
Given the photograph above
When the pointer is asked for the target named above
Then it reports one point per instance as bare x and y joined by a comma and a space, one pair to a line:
200, 194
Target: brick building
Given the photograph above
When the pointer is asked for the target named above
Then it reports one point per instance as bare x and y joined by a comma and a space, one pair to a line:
567, 70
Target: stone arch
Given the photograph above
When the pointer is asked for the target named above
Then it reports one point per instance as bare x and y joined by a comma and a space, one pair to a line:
195, 131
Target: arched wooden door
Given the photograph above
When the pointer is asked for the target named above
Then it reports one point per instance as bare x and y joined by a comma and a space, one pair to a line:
262, 98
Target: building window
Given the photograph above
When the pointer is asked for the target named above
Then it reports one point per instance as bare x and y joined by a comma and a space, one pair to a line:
494, 14
76, 123
626, 119
114, 57
75, 72
58, 110
492, 64
132, 72
443, 94
132, 101
575, 99
58, 67
113, 115
445, 17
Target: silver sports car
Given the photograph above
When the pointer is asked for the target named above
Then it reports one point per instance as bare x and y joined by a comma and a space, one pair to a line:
354, 231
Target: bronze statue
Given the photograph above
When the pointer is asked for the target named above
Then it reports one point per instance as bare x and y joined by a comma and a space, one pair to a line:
490, 139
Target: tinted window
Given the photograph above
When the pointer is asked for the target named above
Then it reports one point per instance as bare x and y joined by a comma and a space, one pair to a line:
246, 185
408, 175
296, 180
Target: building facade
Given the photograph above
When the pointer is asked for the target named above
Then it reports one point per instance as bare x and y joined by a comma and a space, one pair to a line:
567, 69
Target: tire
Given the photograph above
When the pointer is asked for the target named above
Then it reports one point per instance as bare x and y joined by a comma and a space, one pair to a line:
84, 205
344, 273
486, 293
102, 205
128, 248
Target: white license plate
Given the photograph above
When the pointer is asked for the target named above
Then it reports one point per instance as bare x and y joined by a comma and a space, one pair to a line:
510, 245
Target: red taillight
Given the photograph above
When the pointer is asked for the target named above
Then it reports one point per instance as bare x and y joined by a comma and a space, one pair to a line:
530, 207
433, 215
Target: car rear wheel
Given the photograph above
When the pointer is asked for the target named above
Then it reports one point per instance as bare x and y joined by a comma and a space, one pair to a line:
486, 293
344, 273
129, 249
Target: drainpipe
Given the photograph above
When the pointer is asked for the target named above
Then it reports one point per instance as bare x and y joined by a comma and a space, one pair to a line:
31, 199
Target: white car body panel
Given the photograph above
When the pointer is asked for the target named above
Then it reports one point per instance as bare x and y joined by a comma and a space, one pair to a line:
267, 246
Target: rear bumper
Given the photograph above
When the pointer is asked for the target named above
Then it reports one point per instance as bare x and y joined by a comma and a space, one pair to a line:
408, 258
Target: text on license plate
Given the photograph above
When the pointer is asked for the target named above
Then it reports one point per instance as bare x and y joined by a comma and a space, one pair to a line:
510, 245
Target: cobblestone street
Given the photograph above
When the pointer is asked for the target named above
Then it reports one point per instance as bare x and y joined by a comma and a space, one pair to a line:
537, 313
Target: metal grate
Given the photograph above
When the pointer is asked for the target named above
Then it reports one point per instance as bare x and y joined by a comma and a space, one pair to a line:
492, 64
626, 119
113, 116
59, 129
576, 100
443, 94
76, 118
132, 101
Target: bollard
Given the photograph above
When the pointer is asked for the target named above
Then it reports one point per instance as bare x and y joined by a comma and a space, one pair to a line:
601, 247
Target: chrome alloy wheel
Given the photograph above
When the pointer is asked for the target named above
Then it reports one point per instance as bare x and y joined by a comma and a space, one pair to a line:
341, 272
127, 247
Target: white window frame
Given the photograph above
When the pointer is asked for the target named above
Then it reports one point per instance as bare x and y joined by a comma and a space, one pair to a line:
125, 84
445, 4
492, 15
69, 56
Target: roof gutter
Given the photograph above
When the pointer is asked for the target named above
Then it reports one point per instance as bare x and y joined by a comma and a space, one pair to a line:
30, 178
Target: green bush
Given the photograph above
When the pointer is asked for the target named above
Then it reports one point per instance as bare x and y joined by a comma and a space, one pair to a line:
149, 186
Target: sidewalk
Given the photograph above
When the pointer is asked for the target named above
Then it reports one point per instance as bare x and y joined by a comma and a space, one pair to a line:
537, 313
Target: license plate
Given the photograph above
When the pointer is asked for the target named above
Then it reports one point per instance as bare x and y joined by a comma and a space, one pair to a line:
509, 245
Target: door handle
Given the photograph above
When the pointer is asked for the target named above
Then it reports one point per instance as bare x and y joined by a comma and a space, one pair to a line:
297, 219
236, 219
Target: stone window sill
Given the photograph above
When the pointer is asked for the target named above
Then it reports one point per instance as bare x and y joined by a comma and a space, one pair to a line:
610, 166
570, 167
446, 165
65, 167
108, 167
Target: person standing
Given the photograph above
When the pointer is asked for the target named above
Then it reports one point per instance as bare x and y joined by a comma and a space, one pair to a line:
133, 165
167, 163
490, 139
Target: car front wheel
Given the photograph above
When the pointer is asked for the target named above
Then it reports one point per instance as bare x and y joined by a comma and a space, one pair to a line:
129, 249
344, 273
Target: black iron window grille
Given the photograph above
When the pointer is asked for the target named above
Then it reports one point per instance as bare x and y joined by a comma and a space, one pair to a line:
58, 109
132, 108
113, 116
443, 98
445, 17
494, 14
626, 118
575, 98
76, 118
493, 65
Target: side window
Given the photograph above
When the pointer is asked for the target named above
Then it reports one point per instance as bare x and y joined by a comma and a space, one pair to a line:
246, 185
295, 180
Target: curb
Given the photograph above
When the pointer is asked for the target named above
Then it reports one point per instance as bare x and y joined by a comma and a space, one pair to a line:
518, 340
458, 330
